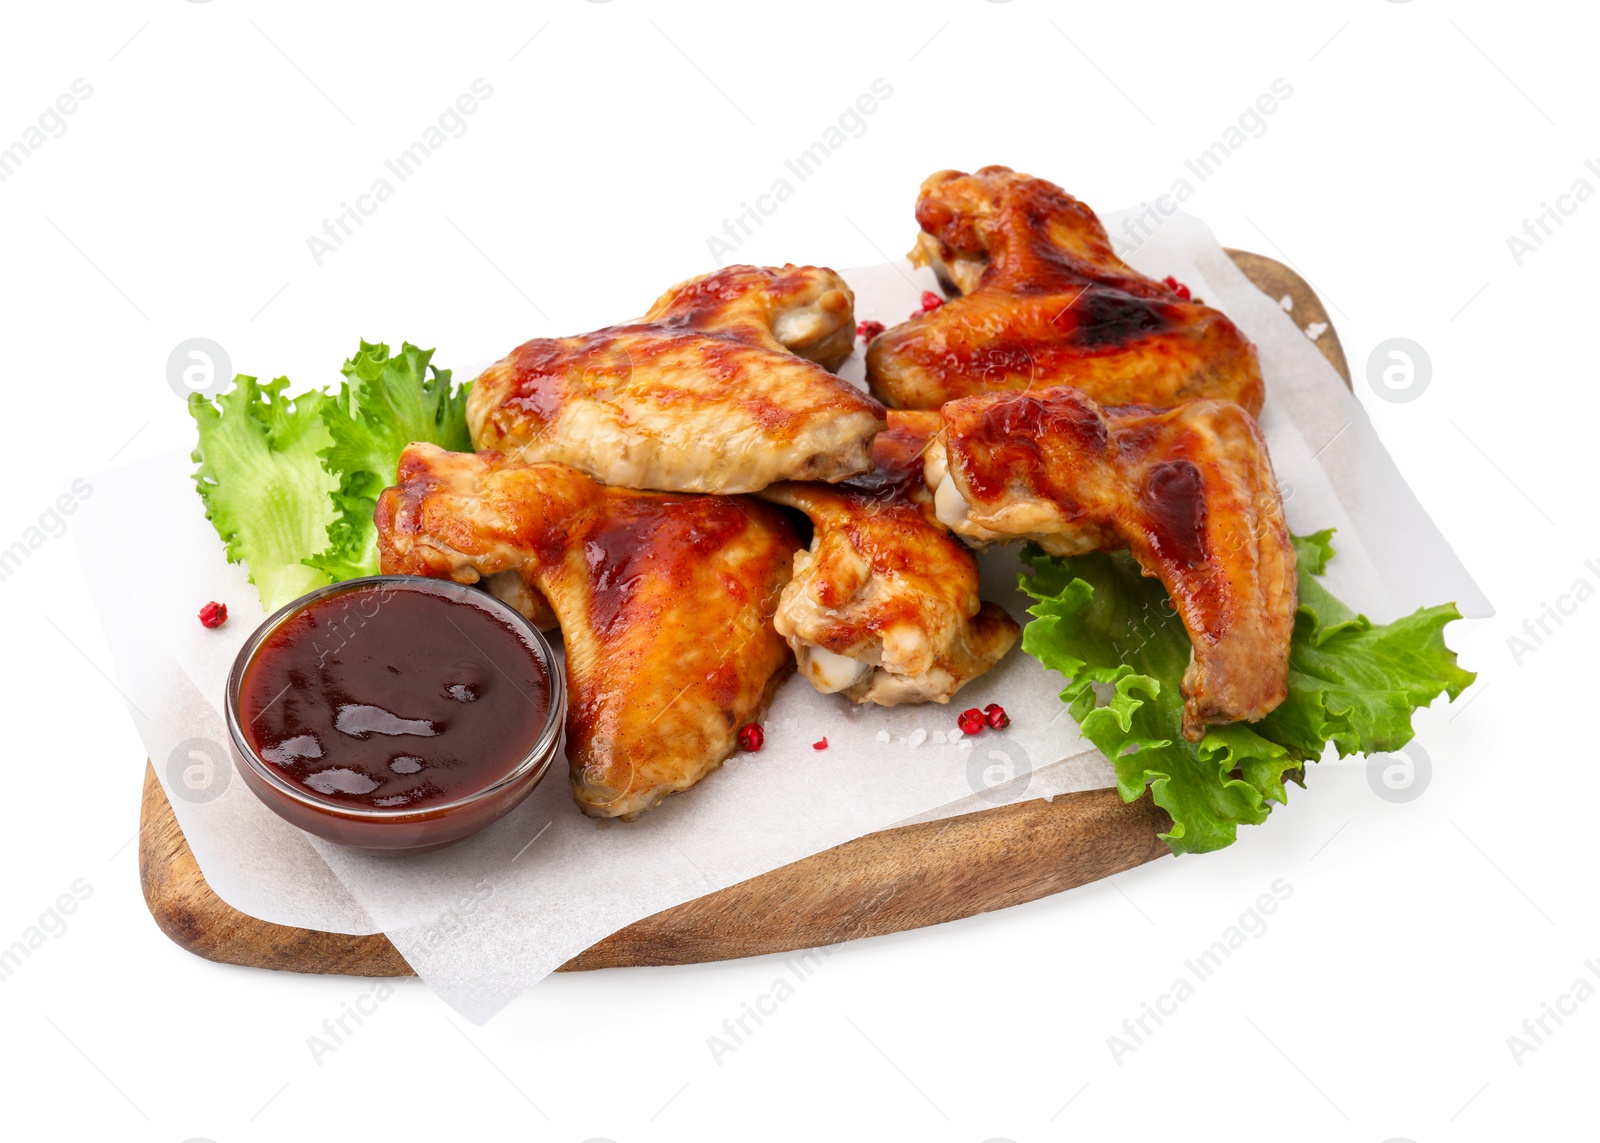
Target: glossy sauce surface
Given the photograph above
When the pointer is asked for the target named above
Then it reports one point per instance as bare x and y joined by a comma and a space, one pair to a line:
1175, 503
391, 697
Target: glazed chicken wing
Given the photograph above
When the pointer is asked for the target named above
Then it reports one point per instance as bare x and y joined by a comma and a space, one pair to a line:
1045, 301
724, 386
663, 602
1188, 491
884, 605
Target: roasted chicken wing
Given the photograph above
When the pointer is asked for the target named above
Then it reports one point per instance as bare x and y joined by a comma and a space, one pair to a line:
1188, 491
1045, 301
884, 605
664, 604
896, 471
724, 386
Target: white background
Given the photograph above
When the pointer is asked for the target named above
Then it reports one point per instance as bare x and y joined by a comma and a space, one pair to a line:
1418, 936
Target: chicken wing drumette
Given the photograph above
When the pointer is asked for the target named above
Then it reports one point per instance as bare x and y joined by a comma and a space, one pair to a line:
884, 605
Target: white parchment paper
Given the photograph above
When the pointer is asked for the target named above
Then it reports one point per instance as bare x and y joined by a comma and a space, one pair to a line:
485, 919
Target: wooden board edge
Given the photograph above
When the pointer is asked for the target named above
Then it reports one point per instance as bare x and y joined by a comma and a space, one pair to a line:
190, 913
899, 879
867, 887
885, 882
1278, 281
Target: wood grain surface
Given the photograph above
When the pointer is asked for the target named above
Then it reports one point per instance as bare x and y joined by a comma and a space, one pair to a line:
883, 883
886, 882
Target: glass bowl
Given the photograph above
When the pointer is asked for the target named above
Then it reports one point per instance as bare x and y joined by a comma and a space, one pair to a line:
400, 830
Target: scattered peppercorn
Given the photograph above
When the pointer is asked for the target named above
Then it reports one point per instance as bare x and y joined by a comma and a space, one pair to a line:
970, 721
1177, 287
822, 745
868, 330
930, 302
752, 738
995, 715
213, 614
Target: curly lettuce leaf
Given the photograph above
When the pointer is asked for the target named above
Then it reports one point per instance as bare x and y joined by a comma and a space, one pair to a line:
263, 483
1100, 621
1352, 683
383, 404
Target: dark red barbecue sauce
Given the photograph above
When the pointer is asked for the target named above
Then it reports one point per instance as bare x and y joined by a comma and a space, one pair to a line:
393, 698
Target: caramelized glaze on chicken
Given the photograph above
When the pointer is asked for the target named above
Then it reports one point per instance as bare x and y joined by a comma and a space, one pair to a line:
724, 386
664, 604
884, 605
1045, 301
1188, 491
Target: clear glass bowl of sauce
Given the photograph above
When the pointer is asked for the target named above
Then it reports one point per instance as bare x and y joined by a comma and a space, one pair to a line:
395, 714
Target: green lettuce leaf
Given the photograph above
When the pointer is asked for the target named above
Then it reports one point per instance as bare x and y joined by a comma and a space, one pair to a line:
263, 484
290, 483
383, 404
1101, 622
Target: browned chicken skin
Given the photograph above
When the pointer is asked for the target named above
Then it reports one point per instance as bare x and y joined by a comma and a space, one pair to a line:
897, 451
1047, 302
884, 605
724, 386
1188, 491
664, 604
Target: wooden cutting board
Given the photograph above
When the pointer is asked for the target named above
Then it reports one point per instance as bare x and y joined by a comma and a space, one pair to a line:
885, 882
